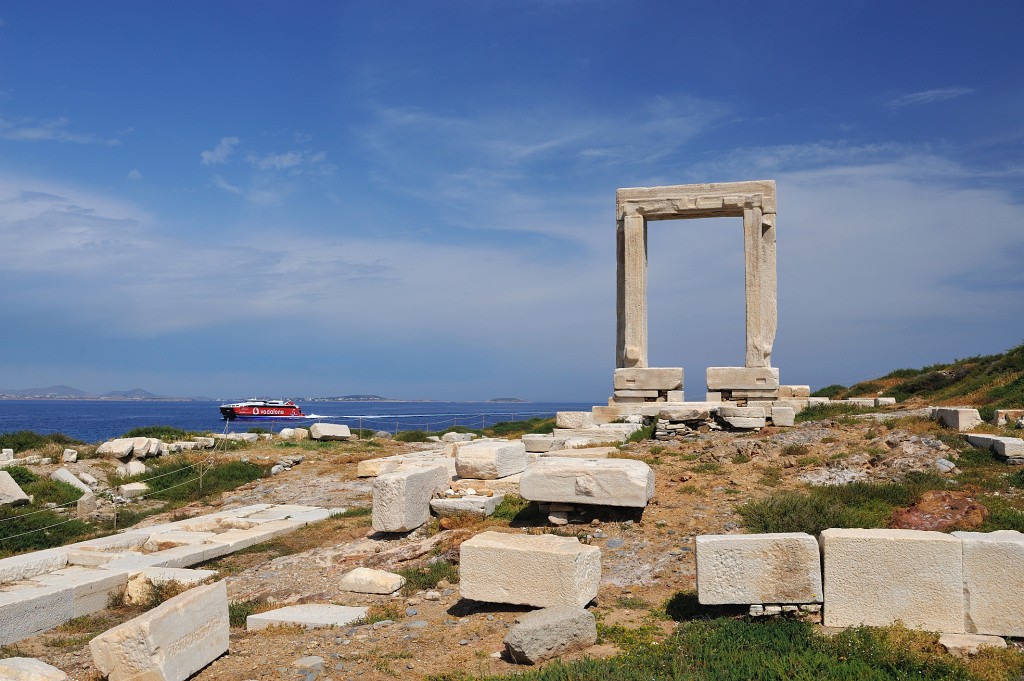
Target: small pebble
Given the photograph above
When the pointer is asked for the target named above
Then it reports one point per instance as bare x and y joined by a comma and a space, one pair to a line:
463, 642
409, 612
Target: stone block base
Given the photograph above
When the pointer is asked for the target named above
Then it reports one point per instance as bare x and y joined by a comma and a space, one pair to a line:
879, 577
742, 378
758, 568
600, 482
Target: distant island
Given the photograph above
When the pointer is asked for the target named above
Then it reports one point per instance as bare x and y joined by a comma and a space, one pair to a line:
514, 400
66, 392
350, 398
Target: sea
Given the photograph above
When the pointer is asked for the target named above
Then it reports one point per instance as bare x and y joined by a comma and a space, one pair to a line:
95, 421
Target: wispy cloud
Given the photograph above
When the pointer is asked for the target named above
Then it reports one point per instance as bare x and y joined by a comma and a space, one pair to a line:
220, 153
56, 130
295, 162
134, 174
929, 96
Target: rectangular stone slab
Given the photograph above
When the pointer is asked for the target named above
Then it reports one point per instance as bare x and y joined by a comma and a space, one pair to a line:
603, 482
879, 577
993, 582
491, 459
538, 570
749, 569
648, 378
960, 418
742, 378
308, 616
171, 642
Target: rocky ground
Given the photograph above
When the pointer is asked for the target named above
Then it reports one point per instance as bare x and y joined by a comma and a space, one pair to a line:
647, 558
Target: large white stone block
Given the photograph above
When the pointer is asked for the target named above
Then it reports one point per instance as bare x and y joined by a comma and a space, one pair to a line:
783, 416
491, 459
742, 378
603, 482
536, 442
758, 568
29, 669
66, 476
91, 590
742, 417
574, 419
960, 418
401, 500
17, 568
648, 378
28, 610
170, 642
329, 431
993, 582
11, 493
474, 504
118, 448
879, 577
538, 570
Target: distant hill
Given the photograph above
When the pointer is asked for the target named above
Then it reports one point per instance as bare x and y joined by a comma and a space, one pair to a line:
988, 382
515, 400
352, 398
133, 394
52, 392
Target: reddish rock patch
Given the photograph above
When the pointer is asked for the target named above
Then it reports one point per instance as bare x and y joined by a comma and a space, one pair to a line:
941, 511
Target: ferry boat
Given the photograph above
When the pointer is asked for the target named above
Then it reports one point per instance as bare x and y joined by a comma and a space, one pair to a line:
262, 409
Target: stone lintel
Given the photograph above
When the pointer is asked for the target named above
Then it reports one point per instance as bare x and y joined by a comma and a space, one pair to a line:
719, 199
648, 378
647, 394
742, 378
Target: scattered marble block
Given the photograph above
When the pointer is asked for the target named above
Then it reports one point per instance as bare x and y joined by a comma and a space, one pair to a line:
865, 402
29, 669
964, 645
961, 419
993, 582
11, 493
542, 634
1009, 448
371, 468
365, 580
1001, 417
536, 442
308, 616
815, 401
602, 482
119, 448
69, 456
758, 568
135, 467
474, 504
581, 453
491, 459
574, 419
742, 417
401, 500
885, 401
330, 432
538, 570
878, 577
170, 642
784, 417
507, 485
133, 489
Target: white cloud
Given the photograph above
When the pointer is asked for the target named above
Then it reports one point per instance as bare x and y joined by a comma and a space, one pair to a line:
57, 130
276, 161
220, 153
221, 183
134, 174
929, 96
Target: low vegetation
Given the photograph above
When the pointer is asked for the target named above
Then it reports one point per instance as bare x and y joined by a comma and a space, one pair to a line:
24, 440
741, 649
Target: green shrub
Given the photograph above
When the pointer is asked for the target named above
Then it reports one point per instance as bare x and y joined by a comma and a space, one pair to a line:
24, 440
857, 504
165, 433
178, 480
27, 528
829, 391
514, 428
238, 611
259, 431
514, 509
411, 436
427, 577
866, 388
47, 491
22, 475
819, 412
642, 434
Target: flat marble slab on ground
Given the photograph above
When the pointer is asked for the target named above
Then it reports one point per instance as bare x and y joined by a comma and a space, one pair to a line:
308, 616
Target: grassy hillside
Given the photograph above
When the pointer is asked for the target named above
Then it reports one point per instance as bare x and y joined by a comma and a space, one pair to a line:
988, 382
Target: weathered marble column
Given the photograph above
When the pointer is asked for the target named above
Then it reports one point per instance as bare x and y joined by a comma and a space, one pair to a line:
631, 350
753, 260
769, 286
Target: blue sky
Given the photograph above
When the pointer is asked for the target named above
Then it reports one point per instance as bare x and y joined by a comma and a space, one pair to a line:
416, 199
